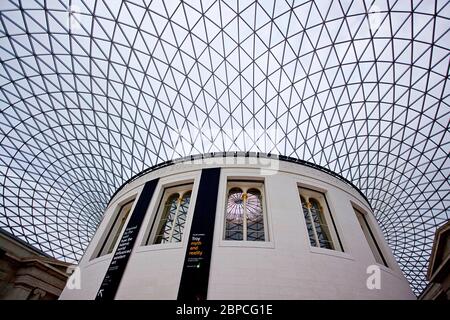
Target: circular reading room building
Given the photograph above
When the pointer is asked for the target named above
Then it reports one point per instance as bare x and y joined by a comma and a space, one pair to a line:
238, 226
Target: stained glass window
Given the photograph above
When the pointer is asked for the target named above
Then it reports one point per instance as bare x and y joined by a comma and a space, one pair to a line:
244, 216
234, 229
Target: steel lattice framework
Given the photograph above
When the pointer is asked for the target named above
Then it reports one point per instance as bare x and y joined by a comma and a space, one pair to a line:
93, 92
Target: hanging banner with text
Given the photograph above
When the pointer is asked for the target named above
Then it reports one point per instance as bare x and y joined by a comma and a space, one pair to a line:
195, 274
120, 259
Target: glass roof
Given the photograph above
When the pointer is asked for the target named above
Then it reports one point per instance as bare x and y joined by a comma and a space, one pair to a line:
93, 92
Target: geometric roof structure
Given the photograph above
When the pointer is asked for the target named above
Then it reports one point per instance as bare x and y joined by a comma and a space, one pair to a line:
93, 92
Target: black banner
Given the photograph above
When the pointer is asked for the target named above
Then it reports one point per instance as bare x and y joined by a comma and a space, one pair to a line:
226, 309
119, 262
195, 275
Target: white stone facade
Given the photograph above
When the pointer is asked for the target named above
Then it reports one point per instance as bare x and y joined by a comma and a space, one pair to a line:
285, 266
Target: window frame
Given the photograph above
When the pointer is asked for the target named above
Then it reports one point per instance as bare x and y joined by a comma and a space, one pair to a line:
321, 197
245, 185
180, 188
105, 238
363, 214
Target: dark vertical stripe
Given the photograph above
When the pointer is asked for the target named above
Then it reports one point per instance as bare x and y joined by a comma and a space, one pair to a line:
110, 284
195, 274
334, 224
373, 238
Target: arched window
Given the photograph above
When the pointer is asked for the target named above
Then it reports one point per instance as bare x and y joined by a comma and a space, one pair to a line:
123, 216
309, 225
116, 229
320, 225
172, 215
170, 210
234, 217
255, 219
180, 220
370, 237
244, 216
315, 214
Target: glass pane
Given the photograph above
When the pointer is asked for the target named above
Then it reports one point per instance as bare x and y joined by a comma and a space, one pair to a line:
312, 240
180, 221
370, 239
234, 215
323, 233
165, 224
255, 220
234, 231
123, 215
